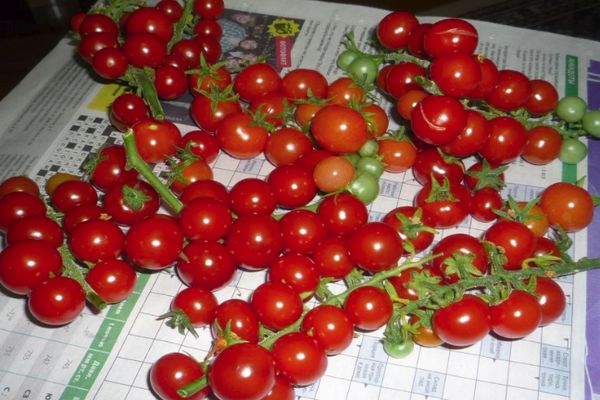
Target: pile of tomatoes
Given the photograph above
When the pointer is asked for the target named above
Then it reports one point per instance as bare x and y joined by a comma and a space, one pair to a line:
307, 223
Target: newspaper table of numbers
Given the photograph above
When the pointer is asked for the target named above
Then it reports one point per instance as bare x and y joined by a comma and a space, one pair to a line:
61, 119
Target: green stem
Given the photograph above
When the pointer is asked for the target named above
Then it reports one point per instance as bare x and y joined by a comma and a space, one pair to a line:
143, 79
268, 342
194, 387
135, 161
73, 271
180, 26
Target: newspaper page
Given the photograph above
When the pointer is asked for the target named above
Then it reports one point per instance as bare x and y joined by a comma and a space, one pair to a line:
57, 116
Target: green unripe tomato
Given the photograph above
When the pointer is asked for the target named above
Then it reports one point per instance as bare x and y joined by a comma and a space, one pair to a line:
369, 149
371, 165
571, 108
363, 70
572, 151
345, 59
365, 187
591, 123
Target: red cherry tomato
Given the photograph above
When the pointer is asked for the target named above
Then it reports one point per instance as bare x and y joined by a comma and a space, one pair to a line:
299, 358
95, 240
339, 129
375, 246
330, 326
368, 307
567, 206
113, 280
154, 243
450, 35
438, 120
394, 30
254, 241
462, 323
206, 265
517, 316
172, 372
17, 206
57, 301
517, 240
156, 140
241, 318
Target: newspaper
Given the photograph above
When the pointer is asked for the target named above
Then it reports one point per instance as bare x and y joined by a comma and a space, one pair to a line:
57, 116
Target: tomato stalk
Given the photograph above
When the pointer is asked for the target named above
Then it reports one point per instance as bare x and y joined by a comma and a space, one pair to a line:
143, 80
182, 24
191, 388
72, 270
135, 161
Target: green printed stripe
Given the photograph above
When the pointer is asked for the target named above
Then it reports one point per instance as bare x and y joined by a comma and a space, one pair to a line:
104, 341
569, 171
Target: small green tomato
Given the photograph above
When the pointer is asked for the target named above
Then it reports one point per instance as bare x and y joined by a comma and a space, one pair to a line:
572, 151
571, 108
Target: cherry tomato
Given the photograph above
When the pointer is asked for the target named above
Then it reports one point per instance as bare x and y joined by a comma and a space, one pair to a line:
301, 231
446, 210
144, 50
276, 304
330, 326
202, 144
377, 119
242, 371
110, 170
211, 48
156, 140
438, 120
551, 299
17, 206
401, 78
394, 30
332, 259
333, 173
339, 129
272, 107
98, 23
343, 91
154, 243
375, 246
472, 138
110, 63
206, 188
126, 110
206, 265
56, 301
516, 239
397, 155
172, 372
483, 204
56, 179
462, 323
296, 271
517, 316
459, 252
19, 183
286, 145
298, 83
35, 228
241, 318
149, 20
281, 390
407, 222
208, 27
342, 213
26, 264
252, 196
512, 90
205, 219
190, 171
131, 201
95, 240
208, 113
73, 193
171, 8
292, 185
113, 280
254, 241
79, 214
542, 146
256, 80
299, 358
198, 305
415, 43
209, 9
450, 35
368, 307
432, 163
92, 43
408, 101
543, 98
240, 137
170, 82
567, 206
506, 141
456, 74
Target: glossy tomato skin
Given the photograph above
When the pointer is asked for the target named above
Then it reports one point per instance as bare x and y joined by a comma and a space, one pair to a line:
252, 196
206, 188
256, 80
450, 35
462, 323
330, 326
489, 77
483, 204
19, 183
205, 219
241, 317
517, 316
332, 259
95, 240
198, 305
368, 307
170, 82
156, 140
281, 390
206, 265
459, 245
276, 304
35, 228
150, 20
543, 98
272, 106
542, 145
472, 138
299, 358
286, 145
567, 206
242, 371
292, 185
91, 44
375, 246
240, 137
397, 155
113, 280
154, 243
512, 90
343, 91
207, 116
73, 193
202, 144
26, 264
98, 23
394, 30
126, 110
144, 50
209, 9
342, 213
438, 120
208, 27
506, 140
551, 299
79, 214
17, 206
254, 241
57, 301
190, 171
296, 271
110, 169
110, 63
123, 213
430, 162
444, 213
339, 129
301, 230
173, 371
516, 239
420, 239
171, 8
456, 74
401, 78
296, 84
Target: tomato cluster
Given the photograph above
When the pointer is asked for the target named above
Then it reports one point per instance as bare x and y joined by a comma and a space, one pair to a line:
307, 222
